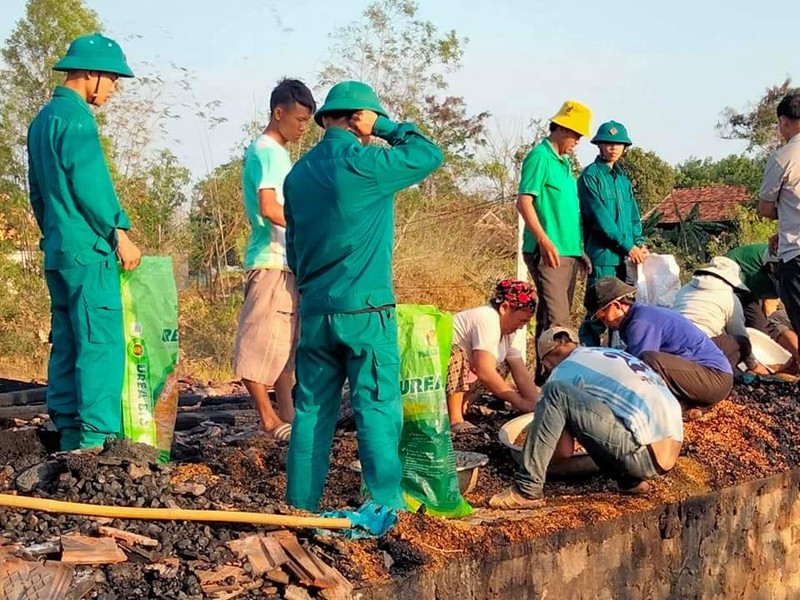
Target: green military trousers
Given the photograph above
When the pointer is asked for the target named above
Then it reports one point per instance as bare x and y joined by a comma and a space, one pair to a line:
592, 329
87, 359
361, 347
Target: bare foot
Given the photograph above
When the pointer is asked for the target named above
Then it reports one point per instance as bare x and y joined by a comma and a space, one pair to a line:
640, 488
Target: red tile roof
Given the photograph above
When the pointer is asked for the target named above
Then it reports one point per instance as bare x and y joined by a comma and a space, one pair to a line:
717, 203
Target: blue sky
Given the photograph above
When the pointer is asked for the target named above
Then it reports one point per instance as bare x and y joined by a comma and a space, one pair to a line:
666, 70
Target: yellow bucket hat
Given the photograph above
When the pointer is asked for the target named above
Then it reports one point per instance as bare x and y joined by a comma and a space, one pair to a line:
574, 116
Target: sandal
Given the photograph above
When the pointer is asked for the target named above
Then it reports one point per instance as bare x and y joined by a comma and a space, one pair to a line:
464, 427
511, 499
282, 433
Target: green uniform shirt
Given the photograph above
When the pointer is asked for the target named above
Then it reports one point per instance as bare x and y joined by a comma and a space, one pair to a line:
548, 178
611, 220
266, 164
754, 272
71, 191
340, 215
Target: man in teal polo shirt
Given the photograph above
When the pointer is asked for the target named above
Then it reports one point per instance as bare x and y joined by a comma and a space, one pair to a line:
82, 226
339, 207
548, 202
612, 224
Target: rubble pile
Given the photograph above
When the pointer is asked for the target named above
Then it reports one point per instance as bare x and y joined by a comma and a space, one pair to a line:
233, 466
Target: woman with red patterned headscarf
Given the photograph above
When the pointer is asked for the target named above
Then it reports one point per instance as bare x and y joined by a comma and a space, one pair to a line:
484, 354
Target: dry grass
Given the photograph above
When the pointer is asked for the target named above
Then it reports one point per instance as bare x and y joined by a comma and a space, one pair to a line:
450, 255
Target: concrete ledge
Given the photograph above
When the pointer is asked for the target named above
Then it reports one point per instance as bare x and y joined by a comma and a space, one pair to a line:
739, 542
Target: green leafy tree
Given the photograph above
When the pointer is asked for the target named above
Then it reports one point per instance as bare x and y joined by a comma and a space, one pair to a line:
159, 194
751, 228
735, 169
757, 124
218, 226
407, 60
652, 177
37, 41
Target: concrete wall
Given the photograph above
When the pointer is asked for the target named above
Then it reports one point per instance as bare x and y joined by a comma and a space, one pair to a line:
741, 542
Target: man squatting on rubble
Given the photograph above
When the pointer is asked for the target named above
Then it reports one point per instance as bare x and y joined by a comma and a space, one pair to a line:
691, 365
710, 301
759, 272
483, 353
616, 406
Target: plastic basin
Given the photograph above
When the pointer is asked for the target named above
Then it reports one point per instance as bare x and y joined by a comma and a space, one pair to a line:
766, 350
468, 466
579, 463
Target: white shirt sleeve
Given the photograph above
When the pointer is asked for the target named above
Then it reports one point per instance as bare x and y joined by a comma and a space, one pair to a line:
485, 335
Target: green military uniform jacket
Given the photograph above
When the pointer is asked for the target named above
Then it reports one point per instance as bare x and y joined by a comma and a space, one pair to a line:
71, 191
612, 224
340, 215
754, 272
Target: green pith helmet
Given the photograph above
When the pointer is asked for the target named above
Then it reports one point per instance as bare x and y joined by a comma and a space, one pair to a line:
350, 95
612, 133
94, 52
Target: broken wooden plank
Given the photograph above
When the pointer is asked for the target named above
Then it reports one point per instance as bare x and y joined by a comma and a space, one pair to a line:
292, 592
341, 589
303, 564
294, 555
277, 576
251, 549
82, 550
133, 539
275, 551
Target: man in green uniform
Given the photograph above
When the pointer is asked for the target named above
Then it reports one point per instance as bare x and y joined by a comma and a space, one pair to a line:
339, 207
759, 271
82, 226
612, 226
548, 203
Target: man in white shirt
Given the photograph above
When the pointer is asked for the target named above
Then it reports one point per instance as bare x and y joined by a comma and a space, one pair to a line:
616, 406
268, 325
483, 353
779, 199
709, 301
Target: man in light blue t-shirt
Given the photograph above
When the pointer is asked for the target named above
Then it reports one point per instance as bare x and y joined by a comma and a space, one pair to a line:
268, 325
616, 406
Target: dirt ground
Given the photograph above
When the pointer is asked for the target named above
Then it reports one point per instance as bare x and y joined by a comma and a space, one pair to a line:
751, 435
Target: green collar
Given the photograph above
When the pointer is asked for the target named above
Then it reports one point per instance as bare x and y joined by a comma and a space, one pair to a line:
562, 157
337, 133
599, 161
62, 91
